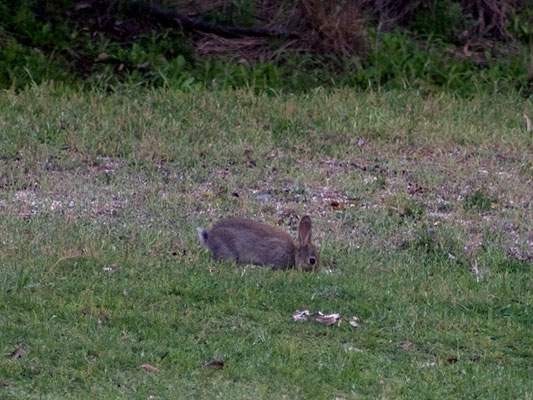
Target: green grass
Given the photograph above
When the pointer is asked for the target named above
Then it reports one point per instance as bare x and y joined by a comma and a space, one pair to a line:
428, 242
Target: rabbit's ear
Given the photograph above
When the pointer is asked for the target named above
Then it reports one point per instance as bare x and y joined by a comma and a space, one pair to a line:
304, 231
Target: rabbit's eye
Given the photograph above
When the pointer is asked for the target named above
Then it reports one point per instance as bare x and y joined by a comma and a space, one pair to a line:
312, 260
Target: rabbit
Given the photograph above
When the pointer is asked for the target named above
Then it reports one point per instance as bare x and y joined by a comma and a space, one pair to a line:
250, 242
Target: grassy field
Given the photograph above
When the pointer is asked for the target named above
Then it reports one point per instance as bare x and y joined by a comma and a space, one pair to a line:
422, 207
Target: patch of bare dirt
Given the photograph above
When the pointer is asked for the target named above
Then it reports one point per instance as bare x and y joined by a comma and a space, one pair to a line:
351, 201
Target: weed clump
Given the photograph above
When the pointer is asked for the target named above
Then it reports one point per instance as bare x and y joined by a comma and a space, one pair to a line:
405, 207
479, 201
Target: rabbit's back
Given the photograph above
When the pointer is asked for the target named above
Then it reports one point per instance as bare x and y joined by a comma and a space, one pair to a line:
250, 242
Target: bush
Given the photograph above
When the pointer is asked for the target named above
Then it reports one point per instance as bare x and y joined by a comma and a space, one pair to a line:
439, 19
101, 44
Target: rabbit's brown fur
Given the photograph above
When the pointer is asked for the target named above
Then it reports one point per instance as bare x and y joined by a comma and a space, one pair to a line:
250, 242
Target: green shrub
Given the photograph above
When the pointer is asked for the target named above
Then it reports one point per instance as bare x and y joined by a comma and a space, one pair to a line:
440, 19
520, 25
398, 61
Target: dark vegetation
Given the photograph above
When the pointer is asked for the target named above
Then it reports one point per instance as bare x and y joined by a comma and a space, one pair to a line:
463, 45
